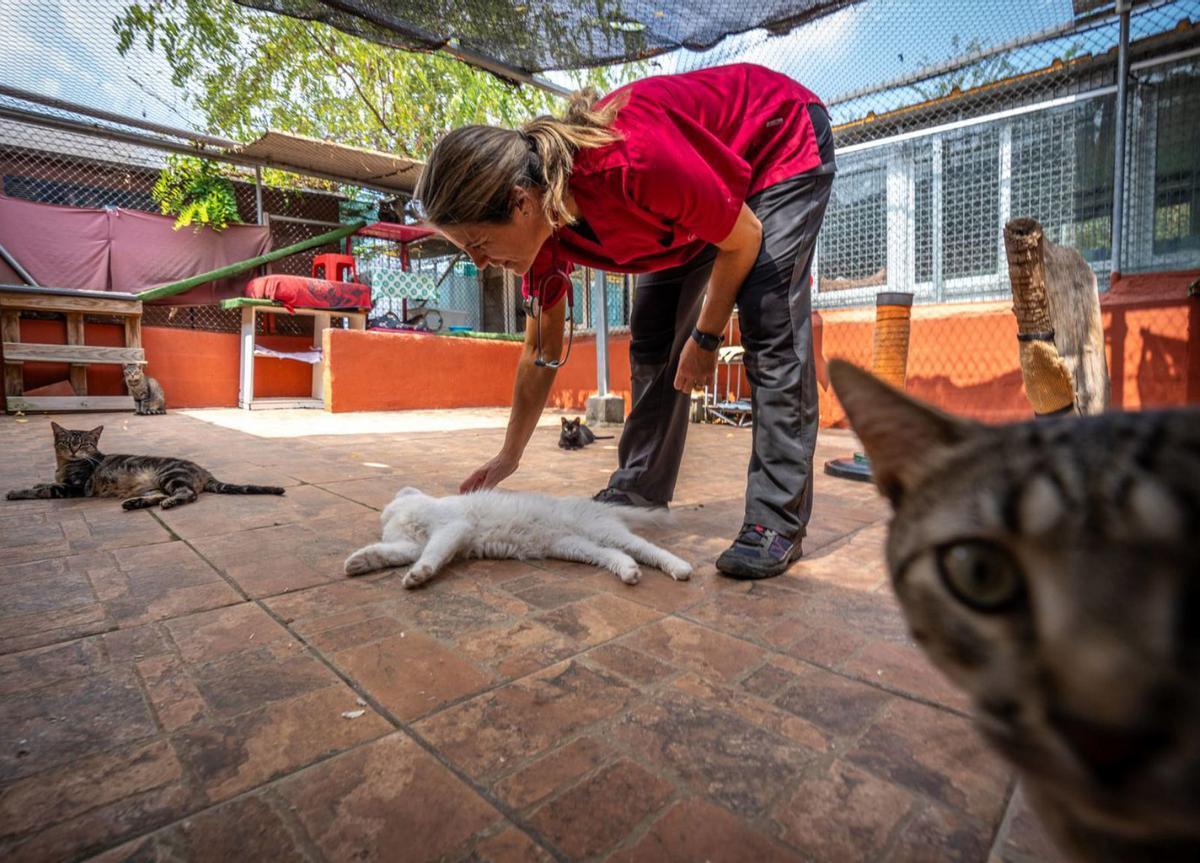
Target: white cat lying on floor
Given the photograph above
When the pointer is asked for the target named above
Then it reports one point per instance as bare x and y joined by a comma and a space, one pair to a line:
430, 531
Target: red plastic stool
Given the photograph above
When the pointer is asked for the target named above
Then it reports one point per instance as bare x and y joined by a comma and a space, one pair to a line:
341, 266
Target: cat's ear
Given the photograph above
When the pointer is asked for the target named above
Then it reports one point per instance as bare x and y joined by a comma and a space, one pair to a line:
564, 421
58, 430
94, 434
898, 433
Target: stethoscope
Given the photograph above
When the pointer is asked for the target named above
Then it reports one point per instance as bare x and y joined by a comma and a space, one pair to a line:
533, 308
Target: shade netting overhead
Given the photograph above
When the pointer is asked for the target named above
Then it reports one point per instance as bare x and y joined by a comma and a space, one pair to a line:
539, 35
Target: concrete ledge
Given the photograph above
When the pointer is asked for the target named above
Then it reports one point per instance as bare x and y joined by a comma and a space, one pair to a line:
605, 409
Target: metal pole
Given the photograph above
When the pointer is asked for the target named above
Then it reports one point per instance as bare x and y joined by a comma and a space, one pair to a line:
1118, 211
258, 208
17, 268
133, 122
600, 310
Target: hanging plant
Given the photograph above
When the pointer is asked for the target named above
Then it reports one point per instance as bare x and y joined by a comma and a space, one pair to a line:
195, 193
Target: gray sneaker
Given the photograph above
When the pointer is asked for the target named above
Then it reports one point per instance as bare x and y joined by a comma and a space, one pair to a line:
621, 497
758, 552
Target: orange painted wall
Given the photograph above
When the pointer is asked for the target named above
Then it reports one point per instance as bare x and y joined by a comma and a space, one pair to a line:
962, 357
401, 371
199, 369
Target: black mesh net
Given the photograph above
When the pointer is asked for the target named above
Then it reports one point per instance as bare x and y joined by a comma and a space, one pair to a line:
539, 35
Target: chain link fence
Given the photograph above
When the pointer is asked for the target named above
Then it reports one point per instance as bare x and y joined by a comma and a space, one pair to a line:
950, 118
931, 169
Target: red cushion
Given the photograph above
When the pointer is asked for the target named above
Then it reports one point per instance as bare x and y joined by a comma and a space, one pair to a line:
300, 292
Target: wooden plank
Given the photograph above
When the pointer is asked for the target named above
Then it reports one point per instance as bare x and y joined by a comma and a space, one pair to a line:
133, 332
246, 368
10, 326
88, 305
69, 403
283, 403
75, 337
272, 307
10, 331
320, 325
244, 302
65, 292
18, 352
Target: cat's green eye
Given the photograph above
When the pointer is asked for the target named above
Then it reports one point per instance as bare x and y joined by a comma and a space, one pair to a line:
981, 575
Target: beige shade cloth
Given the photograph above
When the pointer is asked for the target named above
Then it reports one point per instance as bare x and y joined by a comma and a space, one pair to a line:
305, 154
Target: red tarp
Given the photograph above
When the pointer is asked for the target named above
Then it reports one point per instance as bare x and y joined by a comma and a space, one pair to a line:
60, 247
123, 250
147, 252
298, 291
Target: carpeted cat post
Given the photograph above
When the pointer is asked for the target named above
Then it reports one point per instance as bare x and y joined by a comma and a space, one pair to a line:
1059, 330
889, 362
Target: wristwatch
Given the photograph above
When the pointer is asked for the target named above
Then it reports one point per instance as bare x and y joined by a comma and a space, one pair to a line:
705, 340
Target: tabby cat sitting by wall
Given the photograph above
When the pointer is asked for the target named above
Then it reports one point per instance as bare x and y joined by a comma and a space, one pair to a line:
142, 480
1052, 570
147, 393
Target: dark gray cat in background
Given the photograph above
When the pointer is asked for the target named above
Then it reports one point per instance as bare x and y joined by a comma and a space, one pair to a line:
575, 435
1052, 570
147, 393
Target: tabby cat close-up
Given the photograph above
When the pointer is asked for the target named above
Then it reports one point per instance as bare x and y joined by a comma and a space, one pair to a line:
1052, 570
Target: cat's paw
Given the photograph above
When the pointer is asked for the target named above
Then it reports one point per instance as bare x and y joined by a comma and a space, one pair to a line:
358, 563
680, 571
13, 495
417, 575
629, 574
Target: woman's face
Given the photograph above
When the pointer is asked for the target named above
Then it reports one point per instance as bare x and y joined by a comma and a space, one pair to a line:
513, 244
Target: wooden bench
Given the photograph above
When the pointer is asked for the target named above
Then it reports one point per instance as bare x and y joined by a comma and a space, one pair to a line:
251, 308
76, 306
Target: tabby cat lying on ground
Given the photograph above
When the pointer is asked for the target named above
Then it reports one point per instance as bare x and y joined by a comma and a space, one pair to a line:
1052, 570
428, 532
143, 480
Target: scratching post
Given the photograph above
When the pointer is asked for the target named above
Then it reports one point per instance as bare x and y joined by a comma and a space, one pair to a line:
889, 362
893, 323
1059, 331
1047, 381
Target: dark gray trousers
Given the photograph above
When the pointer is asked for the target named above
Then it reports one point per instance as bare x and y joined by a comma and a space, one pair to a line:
774, 310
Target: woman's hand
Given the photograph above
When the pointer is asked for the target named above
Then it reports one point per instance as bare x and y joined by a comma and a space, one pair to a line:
490, 474
696, 367
734, 260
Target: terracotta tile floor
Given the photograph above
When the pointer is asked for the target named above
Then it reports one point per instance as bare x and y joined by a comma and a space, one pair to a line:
205, 684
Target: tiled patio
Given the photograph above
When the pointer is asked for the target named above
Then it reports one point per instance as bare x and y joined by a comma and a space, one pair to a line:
204, 683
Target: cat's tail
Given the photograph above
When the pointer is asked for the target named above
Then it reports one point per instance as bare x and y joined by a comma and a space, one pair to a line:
218, 487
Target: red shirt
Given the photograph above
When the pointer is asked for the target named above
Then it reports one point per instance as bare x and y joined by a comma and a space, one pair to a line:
694, 147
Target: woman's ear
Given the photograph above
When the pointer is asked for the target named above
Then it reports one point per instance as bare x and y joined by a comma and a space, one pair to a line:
520, 200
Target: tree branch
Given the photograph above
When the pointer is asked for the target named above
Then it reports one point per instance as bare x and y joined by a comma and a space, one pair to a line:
330, 51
